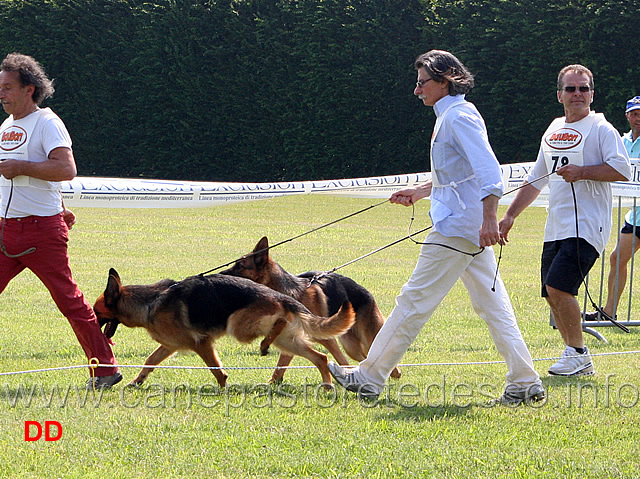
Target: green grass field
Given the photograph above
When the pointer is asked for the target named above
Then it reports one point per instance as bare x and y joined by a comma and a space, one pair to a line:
434, 422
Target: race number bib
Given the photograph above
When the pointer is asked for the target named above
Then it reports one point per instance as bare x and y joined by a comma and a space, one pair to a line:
563, 143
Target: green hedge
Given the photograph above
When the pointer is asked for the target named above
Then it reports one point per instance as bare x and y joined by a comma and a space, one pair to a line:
260, 90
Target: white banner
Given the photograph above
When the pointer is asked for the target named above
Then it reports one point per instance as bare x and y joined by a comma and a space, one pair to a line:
130, 193
515, 173
138, 193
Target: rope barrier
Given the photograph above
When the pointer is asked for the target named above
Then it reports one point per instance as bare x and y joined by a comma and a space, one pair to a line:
93, 365
44, 370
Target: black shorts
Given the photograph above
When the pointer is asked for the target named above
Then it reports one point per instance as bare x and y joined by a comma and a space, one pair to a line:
627, 228
560, 268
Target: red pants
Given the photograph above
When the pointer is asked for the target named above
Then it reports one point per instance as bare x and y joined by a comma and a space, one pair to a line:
50, 263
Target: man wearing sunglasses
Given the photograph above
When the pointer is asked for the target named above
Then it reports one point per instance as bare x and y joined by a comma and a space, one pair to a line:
580, 155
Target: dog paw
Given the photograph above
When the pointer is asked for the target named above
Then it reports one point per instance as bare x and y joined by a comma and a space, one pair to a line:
136, 383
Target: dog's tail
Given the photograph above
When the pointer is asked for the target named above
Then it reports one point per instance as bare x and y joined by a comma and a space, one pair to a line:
327, 328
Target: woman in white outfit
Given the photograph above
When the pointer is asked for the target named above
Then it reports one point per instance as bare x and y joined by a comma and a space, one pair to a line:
465, 186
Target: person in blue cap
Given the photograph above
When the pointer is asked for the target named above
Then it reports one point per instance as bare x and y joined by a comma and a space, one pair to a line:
626, 246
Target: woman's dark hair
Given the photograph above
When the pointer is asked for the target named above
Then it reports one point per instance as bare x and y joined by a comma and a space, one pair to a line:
442, 65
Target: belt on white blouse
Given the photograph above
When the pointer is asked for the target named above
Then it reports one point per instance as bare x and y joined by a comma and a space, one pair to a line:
454, 185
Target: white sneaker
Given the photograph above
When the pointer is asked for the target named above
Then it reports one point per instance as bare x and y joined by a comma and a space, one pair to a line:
348, 380
573, 363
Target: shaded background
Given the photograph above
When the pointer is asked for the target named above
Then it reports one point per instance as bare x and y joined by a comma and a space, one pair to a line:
259, 90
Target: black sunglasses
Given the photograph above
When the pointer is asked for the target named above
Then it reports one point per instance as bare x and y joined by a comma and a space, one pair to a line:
571, 89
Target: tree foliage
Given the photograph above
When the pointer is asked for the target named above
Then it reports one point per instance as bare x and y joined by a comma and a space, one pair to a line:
267, 90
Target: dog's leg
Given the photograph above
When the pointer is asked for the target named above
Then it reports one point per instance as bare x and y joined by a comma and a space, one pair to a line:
283, 361
155, 358
357, 343
336, 352
276, 329
353, 346
300, 347
209, 355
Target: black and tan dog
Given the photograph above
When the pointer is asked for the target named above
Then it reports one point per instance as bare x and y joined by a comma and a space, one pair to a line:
191, 314
323, 296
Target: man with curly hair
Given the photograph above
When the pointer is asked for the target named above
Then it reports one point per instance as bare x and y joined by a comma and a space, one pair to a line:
35, 156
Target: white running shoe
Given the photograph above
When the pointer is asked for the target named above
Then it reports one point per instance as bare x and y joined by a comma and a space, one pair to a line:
347, 379
572, 363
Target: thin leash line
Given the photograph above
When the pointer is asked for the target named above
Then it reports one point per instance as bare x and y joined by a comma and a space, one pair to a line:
236, 368
411, 235
575, 206
44, 370
598, 309
495, 276
525, 183
254, 253
377, 250
586, 287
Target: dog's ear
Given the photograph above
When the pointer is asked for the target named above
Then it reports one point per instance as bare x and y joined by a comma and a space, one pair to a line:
261, 252
112, 291
114, 273
262, 244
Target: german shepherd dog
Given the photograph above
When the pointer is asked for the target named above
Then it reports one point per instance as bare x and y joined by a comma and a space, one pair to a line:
191, 314
323, 296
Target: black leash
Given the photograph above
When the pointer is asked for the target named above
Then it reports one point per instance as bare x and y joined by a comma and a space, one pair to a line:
528, 183
586, 287
254, 253
318, 276
410, 236
4, 221
481, 249
575, 206
495, 276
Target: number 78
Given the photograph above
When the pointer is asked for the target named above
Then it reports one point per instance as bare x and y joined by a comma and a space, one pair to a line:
564, 161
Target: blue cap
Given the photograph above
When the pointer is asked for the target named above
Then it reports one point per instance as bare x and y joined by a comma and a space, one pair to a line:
633, 104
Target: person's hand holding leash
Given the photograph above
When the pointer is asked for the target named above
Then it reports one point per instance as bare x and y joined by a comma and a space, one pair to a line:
570, 173
410, 196
489, 232
11, 168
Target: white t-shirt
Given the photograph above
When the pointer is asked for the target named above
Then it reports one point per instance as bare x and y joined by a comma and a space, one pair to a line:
594, 199
32, 196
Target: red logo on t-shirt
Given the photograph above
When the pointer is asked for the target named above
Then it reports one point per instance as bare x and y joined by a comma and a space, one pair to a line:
12, 138
563, 139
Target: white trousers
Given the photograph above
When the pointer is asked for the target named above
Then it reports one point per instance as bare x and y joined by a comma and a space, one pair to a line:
435, 274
